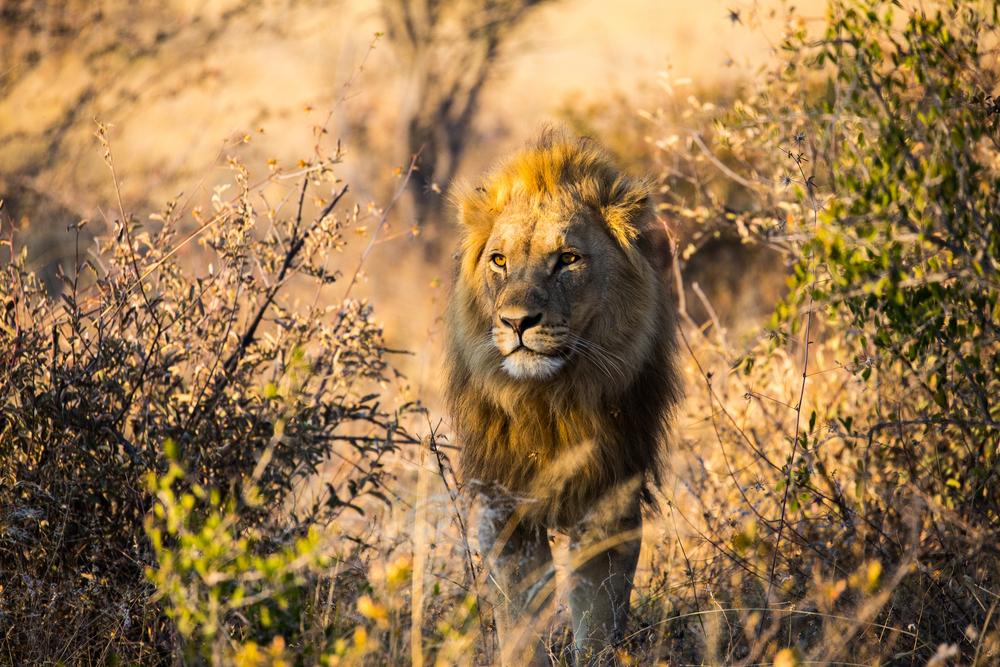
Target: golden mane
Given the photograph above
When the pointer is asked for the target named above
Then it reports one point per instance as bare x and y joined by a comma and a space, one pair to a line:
565, 443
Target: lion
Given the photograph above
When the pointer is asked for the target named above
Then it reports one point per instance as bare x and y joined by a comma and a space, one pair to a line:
561, 381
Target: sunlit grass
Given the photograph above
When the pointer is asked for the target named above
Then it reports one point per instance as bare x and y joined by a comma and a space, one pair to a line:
206, 453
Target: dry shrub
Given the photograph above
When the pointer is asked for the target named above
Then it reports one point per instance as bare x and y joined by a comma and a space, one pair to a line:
256, 393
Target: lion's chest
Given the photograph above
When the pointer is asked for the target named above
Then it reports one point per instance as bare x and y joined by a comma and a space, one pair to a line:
557, 459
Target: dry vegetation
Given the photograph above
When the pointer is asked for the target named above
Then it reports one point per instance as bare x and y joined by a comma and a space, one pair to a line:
208, 453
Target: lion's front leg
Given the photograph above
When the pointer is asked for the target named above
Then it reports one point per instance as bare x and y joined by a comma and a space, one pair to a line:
519, 583
604, 552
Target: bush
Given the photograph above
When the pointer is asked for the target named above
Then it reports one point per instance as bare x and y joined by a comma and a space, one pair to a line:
140, 356
905, 255
860, 429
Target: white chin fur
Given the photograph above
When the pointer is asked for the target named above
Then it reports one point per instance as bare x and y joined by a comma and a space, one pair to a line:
523, 365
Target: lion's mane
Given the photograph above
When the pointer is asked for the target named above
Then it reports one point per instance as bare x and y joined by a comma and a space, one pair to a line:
564, 444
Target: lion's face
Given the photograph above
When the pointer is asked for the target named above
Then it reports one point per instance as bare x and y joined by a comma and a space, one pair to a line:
558, 290
545, 273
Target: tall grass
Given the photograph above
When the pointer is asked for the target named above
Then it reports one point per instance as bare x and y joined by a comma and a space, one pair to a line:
203, 458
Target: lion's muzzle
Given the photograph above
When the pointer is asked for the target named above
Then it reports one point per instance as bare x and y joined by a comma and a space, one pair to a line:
529, 347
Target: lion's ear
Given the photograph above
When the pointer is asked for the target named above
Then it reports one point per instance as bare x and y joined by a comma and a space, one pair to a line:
628, 210
475, 211
633, 222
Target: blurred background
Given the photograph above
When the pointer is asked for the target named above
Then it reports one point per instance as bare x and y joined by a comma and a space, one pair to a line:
184, 85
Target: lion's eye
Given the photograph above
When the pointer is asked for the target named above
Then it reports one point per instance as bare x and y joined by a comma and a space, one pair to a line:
498, 260
568, 258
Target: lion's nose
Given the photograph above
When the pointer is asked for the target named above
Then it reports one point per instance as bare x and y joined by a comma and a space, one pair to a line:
519, 321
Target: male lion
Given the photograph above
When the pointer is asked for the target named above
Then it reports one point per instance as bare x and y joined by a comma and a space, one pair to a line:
561, 381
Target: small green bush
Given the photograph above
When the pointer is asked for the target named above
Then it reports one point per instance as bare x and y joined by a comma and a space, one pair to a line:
899, 155
209, 570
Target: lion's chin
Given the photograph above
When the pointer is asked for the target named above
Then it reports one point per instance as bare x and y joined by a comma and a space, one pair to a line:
527, 365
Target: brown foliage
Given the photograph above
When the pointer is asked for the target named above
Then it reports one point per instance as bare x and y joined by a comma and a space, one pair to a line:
138, 350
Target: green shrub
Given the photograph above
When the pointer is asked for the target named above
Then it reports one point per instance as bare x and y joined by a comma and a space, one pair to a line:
907, 250
903, 257
214, 580
870, 157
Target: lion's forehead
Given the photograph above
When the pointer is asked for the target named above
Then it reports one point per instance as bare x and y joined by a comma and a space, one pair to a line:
534, 235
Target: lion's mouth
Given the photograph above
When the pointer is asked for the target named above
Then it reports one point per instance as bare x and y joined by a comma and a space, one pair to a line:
524, 348
524, 363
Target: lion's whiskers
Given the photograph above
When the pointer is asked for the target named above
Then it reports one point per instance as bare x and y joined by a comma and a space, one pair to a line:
586, 353
600, 356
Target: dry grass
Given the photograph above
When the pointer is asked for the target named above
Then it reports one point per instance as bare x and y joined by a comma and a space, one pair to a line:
796, 525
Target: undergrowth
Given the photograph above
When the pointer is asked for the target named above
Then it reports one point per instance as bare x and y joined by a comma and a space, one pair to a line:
199, 462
